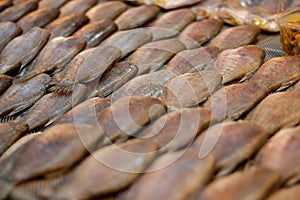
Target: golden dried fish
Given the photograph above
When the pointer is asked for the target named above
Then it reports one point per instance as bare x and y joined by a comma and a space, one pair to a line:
5, 82
96, 32
17, 11
276, 111
288, 193
22, 49
136, 16
170, 23
249, 184
8, 30
234, 100
278, 73
237, 36
38, 18
23, 94
178, 175
193, 60
169, 4
52, 106
86, 67
76, 6
57, 148
197, 33
51, 3
5, 4
114, 77
106, 10
128, 41
190, 89
239, 63
153, 55
61, 26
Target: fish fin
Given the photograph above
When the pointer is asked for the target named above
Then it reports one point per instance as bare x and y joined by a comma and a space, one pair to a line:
62, 88
6, 187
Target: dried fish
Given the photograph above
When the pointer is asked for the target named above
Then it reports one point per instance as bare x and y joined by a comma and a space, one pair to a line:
136, 16
129, 40
86, 66
38, 18
190, 89
76, 6
5, 82
169, 4
96, 32
106, 10
23, 94
51, 3
8, 30
5, 4
153, 55
289, 193
22, 49
200, 32
237, 36
61, 26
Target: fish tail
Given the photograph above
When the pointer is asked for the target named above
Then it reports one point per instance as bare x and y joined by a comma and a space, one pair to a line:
62, 88
6, 187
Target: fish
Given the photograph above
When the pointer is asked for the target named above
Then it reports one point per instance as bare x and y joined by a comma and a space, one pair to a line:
86, 67
190, 89
15, 12
114, 77
189, 61
275, 75
273, 117
8, 31
287, 193
61, 26
22, 49
169, 4
76, 6
237, 36
232, 101
171, 23
52, 106
96, 32
106, 10
38, 18
180, 176
5, 4
200, 32
153, 55
58, 148
53, 57
51, 3
136, 17
255, 183
129, 40
5, 82
206, 9
10, 132
22, 95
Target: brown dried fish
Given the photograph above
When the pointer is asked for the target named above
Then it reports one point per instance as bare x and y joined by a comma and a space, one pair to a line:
5, 82
237, 36
197, 33
23, 94
190, 89
22, 49
288, 193
38, 18
51, 3
106, 10
8, 30
76, 6
276, 111
17, 11
136, 16
129, 40
5, 4
96, 32
61, 26
193, 60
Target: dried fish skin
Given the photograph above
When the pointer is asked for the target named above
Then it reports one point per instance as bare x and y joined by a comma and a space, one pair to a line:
5, 4
8, 30
51, 3
5, 82
22, 49
289, 193
76, 6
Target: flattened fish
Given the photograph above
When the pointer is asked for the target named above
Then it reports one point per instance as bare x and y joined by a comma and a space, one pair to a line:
96, 32
5, 4
197, 33
237, 36
51, 3
38, 18
76, 6
61, 26
193, 60
5, 82
23, 94
22, 49
288, 193
136, 17
106, 10
8, 30
240, 63
190, 89
153, 55
129, 40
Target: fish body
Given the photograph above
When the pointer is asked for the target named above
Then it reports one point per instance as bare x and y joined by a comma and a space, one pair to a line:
77, 6
8, 30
